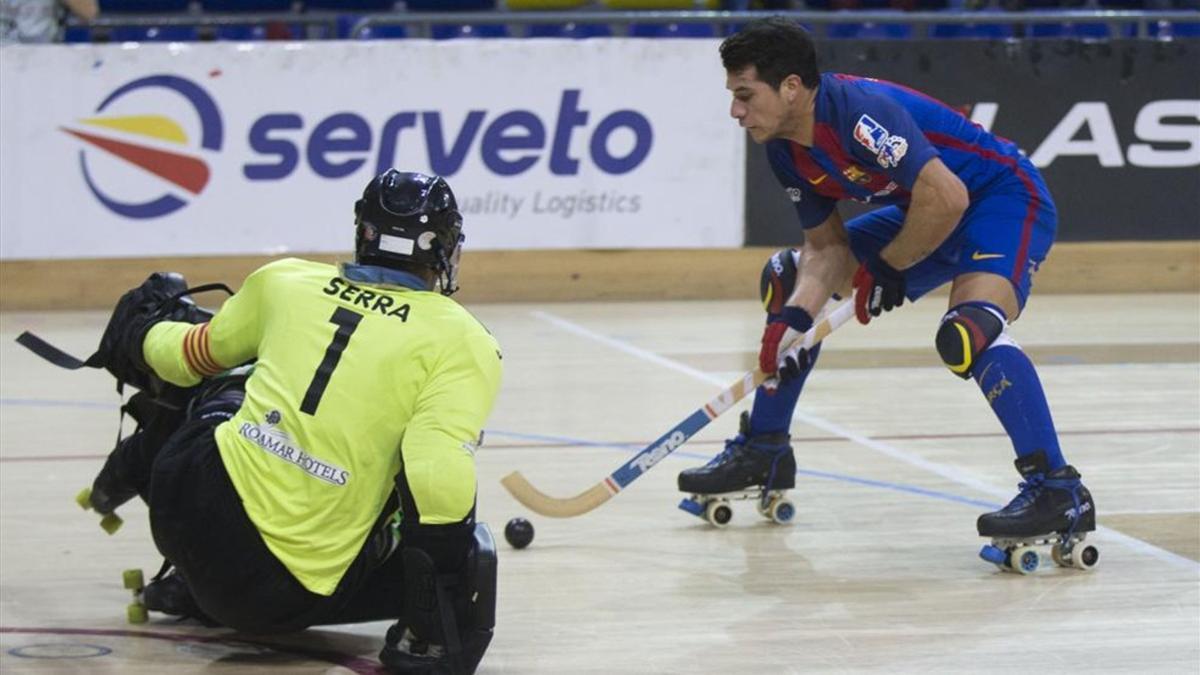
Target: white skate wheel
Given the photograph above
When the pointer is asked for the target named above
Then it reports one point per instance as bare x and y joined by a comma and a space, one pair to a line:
718, 513
1025, 560
1060, 559
1084, 556
782, 511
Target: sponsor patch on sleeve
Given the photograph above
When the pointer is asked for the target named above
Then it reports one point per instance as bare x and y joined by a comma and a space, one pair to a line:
872, 135
892, 151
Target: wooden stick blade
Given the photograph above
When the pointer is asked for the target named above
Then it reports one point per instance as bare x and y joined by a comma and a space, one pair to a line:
545, 505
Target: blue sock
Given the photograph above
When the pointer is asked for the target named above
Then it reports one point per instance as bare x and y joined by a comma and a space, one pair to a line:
772, 412
1011, 385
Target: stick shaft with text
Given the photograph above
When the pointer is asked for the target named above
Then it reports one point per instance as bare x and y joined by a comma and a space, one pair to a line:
554, 507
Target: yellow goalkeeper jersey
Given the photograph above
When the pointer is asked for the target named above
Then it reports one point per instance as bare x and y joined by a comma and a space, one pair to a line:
349, 376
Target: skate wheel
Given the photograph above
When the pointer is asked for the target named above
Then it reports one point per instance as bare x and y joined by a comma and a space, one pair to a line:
111, 523
1084, 556
1060, 559
1025, 560
718, 513
84, 499
133, 580
136, 613
782, 511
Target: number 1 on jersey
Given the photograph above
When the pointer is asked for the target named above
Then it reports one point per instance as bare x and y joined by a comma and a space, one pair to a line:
346, 322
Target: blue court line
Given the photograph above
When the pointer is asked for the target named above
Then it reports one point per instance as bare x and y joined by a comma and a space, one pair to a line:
567, 440
884, 485
49, 403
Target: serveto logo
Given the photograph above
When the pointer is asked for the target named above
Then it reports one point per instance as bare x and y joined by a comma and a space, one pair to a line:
129, 125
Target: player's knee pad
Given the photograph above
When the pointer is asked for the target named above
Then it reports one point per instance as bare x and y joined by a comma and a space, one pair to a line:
478, 598
481, 579
779, 279
967, 330
220, 397
456, 611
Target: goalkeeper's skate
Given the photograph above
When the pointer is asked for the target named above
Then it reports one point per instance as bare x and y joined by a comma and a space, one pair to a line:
110, 490
168, 593
1053, 512
759, 467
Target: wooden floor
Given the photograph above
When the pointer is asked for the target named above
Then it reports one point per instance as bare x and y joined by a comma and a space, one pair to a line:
878, 572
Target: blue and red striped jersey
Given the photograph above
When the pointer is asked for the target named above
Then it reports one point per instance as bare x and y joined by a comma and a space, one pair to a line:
870, 140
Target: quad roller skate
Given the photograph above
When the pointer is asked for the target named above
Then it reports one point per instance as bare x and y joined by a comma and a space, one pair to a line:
135, 581
759, 467
167, 593
112, 487
110, 522
1052, 513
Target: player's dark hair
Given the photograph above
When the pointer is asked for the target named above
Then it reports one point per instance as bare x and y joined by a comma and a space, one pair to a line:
776, 47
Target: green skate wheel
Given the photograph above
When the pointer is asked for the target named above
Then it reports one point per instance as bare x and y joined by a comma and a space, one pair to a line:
136, 613
84, 499
111, 523
133, 580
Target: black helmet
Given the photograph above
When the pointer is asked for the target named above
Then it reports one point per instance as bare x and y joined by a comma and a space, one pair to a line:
406, 219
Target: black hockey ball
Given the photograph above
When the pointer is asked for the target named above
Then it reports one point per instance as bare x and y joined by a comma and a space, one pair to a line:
518, 532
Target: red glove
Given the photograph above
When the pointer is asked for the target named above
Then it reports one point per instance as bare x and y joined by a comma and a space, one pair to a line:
781, 328
879, 288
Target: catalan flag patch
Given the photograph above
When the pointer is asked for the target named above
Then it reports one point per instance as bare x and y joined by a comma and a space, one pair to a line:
198, 352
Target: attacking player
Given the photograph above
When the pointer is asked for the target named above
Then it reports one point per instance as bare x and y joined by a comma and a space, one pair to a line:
272, 493
960, 205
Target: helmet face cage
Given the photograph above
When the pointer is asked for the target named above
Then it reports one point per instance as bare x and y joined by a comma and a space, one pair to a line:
410, 218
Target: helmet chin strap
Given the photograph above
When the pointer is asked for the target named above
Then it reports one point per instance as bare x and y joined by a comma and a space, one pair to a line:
447, 272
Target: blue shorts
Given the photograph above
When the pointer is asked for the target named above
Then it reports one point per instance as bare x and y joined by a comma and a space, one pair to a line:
1007, 230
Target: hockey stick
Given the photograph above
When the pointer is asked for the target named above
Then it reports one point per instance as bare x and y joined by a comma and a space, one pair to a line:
543, 504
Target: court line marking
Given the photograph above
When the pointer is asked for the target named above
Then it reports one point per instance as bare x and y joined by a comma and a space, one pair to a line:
356, 664
946, 472
845, 478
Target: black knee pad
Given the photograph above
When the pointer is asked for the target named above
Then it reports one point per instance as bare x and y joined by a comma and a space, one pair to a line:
966, 331
481, 580
221, 397
457, 611
479, 598
778, 279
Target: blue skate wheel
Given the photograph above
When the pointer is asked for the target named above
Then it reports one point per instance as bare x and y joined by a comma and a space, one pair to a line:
992, 554
783, 511
1026, 560
693, 507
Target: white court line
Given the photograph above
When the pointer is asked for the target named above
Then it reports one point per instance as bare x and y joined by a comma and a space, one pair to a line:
949, 473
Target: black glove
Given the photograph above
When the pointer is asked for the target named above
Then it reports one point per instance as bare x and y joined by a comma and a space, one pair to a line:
879, 288
159, 298
796, 364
